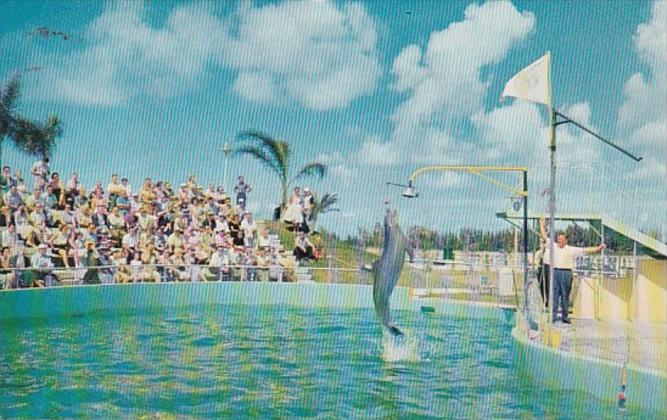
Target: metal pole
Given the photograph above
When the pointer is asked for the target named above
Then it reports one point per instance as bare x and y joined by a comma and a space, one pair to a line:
226, 149
525, 237
600, 276
599, 137
633, 296
552, 216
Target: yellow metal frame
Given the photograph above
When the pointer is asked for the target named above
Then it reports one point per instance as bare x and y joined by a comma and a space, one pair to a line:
478, 171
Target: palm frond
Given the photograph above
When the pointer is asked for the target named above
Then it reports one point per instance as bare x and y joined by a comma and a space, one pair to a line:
35, 138
9, 98
10, 94
276, 151
261, 155
311, 169
324, 205
328, 200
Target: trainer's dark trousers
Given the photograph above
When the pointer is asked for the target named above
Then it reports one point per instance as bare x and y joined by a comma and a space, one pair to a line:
543, 276
562, 287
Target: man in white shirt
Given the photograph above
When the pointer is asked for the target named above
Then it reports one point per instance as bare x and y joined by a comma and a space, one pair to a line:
564, 261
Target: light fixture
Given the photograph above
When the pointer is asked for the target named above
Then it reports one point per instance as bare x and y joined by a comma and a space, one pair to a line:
410, 191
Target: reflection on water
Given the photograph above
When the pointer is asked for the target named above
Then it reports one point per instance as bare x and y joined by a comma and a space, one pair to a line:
270, 361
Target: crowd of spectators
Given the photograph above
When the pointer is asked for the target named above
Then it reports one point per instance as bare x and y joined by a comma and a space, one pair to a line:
155, 233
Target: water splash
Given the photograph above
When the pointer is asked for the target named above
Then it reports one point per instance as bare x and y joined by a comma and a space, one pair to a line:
406, 348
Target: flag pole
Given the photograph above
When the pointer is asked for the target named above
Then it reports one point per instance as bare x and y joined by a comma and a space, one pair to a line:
552, 194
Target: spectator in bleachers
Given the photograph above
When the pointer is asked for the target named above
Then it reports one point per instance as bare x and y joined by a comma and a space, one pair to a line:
21, 220
72, 187
131, 238
58, 190
249, 230
80, 199
38, 215
90, 261
100, 217
264, 240
6, 274
156, 225
293, 216
308, 203
220, 264
59, 242
40, 172
235, 230
19, 261
106, 273
123, 202
127, 187
83, 217
41, 262
35, 198
114, 187
242, 189
7, 180
303, 248
10, 237
14, 198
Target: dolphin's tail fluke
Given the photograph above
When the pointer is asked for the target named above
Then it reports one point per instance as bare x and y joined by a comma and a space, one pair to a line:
395, 331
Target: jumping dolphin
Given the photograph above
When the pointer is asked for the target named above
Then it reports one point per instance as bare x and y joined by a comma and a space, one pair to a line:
387, 269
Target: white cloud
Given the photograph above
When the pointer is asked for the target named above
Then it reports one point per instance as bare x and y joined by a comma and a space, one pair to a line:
511, 132
319, 55
445, 79
444, 86
642, 118
124, 57
376, 153
338, 165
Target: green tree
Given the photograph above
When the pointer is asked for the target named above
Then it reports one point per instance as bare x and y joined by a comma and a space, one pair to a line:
276, 155
323, 205
31, 137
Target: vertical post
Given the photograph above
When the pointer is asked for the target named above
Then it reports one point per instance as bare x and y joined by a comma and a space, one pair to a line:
226, 149
633, 297
525, 237
601, 276
552, 215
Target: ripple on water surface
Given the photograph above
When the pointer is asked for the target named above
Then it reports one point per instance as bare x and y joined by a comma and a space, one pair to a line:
228, 361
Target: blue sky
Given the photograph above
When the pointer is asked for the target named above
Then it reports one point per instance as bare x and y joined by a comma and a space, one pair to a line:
373, 89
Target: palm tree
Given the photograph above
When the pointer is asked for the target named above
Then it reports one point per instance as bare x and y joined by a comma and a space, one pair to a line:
37, 139
31, 137
276, 155
323, 205
9, 96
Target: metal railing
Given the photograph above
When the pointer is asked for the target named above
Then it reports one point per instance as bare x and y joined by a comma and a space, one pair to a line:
26, 277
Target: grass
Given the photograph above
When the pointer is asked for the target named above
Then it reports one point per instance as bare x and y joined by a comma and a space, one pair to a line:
338, 254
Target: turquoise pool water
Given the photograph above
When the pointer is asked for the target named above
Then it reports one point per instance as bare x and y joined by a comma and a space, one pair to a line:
270, 361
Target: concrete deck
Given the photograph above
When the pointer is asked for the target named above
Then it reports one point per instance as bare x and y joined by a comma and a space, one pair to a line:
635, 343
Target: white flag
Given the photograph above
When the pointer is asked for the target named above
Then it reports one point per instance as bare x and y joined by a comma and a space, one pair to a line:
531, 83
